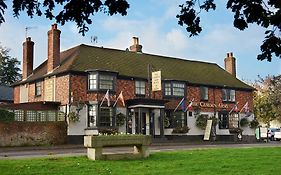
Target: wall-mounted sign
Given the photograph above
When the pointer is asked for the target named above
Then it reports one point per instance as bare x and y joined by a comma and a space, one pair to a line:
156, 81
209, 105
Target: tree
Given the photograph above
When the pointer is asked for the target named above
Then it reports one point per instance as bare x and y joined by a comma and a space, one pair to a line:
266, 105
266, 14
9, 70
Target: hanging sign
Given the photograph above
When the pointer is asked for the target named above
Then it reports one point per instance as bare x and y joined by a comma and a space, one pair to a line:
156, 81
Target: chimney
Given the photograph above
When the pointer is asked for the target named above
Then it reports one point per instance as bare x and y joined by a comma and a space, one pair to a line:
230, 64
136, 47
53, 48
27, 61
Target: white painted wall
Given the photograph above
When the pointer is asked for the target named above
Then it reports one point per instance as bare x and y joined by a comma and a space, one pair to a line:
78, 128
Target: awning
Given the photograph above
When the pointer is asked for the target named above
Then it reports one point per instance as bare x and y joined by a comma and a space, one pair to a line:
146, 103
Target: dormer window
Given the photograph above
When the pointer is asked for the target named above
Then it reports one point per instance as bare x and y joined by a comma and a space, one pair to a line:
174, 88
101, 81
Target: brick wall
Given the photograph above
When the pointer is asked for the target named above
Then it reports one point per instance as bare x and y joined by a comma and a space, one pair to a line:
32, 133
62, 89
31, 93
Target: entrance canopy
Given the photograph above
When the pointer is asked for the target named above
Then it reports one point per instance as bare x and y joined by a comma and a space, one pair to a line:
146, 103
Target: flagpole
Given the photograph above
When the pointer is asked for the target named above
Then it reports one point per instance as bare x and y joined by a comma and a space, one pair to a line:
179, 104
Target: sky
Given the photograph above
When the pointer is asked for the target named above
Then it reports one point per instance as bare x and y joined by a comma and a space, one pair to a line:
155, 23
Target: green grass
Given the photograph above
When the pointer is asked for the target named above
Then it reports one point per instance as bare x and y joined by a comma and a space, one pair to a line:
212, 161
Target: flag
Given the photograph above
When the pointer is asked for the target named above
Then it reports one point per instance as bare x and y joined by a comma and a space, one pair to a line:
183, 105
246, 108
235, 108
189, 107
106, 96
180, 103
121, 98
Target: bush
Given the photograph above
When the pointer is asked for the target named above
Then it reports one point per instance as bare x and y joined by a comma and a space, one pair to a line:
181, 130
6, 116
120, 119
254, 124
201, 121
244, 122
108, 131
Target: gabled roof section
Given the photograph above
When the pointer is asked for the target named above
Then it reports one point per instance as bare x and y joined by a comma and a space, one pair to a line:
132, 64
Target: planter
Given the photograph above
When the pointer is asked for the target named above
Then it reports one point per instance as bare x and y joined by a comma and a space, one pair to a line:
95, 145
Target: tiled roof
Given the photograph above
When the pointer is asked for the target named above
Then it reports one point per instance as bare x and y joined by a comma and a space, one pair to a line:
6, 93
132, 64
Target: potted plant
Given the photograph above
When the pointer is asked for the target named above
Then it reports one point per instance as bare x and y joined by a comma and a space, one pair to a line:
244, 122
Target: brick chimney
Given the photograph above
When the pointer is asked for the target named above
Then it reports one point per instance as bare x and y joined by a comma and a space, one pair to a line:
230, 64
136, 47
53, 48
27, 61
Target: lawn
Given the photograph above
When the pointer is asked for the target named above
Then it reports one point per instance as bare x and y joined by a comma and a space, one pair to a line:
208, 161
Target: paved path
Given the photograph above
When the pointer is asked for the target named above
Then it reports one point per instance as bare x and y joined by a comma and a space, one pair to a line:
79, 150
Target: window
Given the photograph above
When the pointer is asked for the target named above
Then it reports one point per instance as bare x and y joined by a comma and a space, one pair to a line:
228, 95
234, 120
223, 120
38, 88
92, 115
175, 119
174, 89
106, 82
204, 93
93, 81
98, 81
105, 116
31, 116
140, 87
19, 115
168, 91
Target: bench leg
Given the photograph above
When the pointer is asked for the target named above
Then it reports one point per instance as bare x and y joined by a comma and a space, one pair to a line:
94, 153
143, 150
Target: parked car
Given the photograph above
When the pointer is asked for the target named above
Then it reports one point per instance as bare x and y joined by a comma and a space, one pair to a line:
271, 133
277, 134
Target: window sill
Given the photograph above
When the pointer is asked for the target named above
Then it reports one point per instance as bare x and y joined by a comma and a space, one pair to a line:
36, 96
229, 102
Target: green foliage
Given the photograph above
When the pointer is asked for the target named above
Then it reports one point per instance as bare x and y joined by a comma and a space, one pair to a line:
263, 13
201, 121
6, 116
9, 70
181, 130
120, 119
73, 117
108, 131
266, 106
244, 122
69, 10
254, 124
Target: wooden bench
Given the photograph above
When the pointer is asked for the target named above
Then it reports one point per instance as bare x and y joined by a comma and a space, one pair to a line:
95, 145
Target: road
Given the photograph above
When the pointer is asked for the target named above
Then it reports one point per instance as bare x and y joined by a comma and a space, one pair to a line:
78, 150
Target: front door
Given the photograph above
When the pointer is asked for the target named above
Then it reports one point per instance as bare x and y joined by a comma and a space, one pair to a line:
144, 122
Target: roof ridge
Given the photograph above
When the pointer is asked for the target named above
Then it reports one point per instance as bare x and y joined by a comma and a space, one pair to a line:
148, 54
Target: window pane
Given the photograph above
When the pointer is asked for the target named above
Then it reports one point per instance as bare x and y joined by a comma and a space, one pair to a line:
105, 116
232, 95
92, 81
106, 82
19, 115
168, 89
204, 93
38, 88
224, 95
51, 115
92, 115
178, 89
140, 87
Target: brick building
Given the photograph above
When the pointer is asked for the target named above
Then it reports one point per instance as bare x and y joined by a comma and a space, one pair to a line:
77, 79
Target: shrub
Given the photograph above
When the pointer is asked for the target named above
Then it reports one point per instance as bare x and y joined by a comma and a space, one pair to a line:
6, 116
181, 130
244, 122
73, 117
201, 121
120, 119
108, 131
254, 124
236, 130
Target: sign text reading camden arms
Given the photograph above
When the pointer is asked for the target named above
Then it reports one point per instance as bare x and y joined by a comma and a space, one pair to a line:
209, 105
